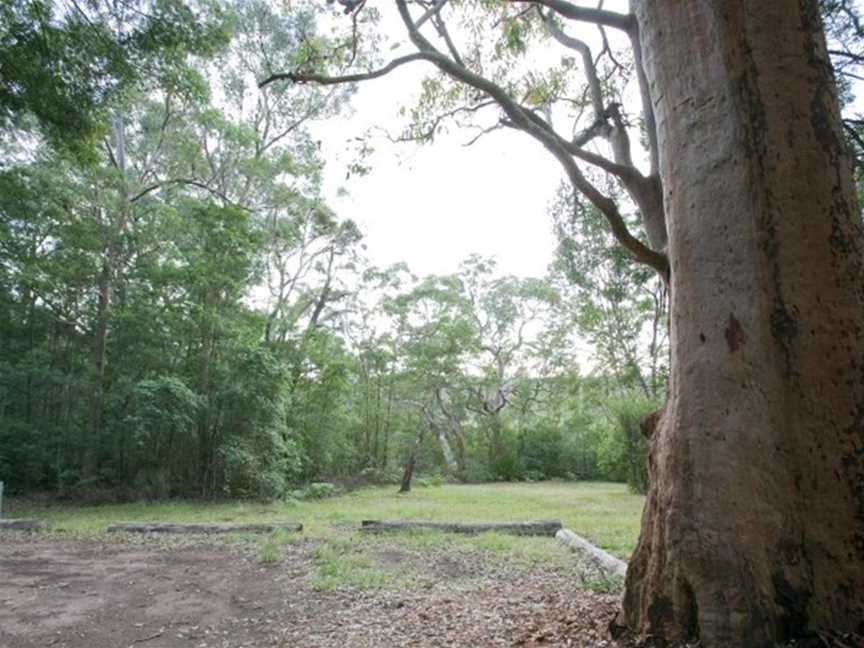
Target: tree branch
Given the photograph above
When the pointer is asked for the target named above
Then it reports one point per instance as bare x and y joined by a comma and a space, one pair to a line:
301, 77
521, 117
624, 22
189, 182
432, 11
587, 61
533, 125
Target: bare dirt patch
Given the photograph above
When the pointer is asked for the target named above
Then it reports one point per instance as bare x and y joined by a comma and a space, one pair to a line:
66, 593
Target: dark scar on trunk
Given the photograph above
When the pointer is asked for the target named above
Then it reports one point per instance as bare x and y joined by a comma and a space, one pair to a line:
735, 336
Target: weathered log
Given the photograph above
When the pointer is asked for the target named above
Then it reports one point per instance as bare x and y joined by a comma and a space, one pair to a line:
536, 528
608, 564
174, 527
21, 524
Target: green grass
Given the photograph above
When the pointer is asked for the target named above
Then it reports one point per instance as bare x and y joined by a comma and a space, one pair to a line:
269, 552
607, 514
345, 561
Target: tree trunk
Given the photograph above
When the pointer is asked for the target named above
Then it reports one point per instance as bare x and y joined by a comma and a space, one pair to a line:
459, 442
100, 333
455, 464
497, 449
441, 435
115, 231
408, 472
385, 450
447, 452
753, 530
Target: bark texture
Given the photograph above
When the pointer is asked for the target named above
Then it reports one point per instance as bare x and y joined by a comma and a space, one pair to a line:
753, 530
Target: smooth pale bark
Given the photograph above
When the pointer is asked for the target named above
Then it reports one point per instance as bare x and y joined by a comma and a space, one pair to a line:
447, 451
608, 564
753, 530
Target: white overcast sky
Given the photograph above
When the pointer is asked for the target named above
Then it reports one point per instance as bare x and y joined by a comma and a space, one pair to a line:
433, 205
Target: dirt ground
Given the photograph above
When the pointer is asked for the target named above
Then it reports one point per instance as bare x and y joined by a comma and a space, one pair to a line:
62, 593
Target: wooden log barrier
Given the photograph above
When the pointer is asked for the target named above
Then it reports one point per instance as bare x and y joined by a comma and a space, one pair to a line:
174, 527
21, 524
535, 528
606, 562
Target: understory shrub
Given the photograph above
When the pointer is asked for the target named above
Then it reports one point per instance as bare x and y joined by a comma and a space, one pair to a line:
317, 490
623, 451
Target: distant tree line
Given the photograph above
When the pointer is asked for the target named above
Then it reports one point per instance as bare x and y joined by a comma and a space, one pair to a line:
182, 315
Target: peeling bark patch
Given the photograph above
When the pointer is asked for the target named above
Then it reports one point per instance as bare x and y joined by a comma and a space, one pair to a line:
735, 336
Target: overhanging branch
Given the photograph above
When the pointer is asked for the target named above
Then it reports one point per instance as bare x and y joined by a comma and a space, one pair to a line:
321, 79
533, 125
521, 117
603, 17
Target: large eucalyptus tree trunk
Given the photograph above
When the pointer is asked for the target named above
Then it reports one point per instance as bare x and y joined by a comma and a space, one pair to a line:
754, 525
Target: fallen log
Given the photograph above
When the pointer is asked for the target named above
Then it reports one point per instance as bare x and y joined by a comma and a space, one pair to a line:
609, 565
536, 528
21, 524
174, 527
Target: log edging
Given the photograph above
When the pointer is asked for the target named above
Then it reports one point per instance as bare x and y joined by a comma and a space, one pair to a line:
532, 528
206, 528
595, 559
21, 524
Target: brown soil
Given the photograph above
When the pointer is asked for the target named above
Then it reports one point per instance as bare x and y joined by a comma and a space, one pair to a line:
94, 593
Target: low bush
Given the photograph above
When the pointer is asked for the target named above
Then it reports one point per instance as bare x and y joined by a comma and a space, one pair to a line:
316, 490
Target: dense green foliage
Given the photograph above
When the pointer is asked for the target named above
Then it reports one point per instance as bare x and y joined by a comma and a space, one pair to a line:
64, 64
181, 314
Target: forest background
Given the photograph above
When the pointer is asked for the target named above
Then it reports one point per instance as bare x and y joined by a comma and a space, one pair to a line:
182, 314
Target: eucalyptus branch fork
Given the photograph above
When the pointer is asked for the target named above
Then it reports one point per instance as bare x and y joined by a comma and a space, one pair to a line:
526, 120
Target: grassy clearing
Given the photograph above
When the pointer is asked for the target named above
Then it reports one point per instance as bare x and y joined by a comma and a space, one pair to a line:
607, 514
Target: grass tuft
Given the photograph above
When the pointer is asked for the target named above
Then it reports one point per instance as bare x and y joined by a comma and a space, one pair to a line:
269, 552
